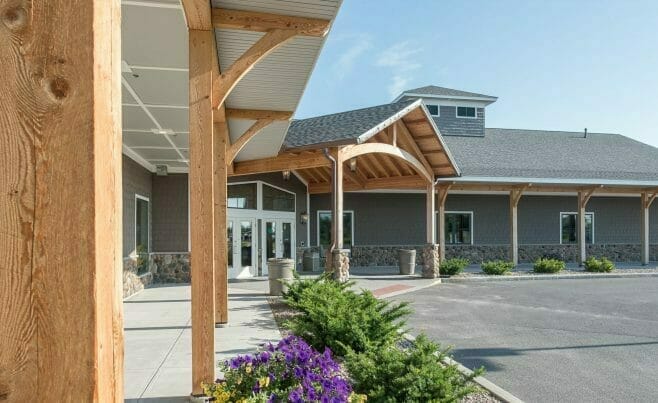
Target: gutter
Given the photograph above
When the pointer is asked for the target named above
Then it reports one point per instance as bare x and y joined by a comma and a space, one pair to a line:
333, 192
549, 181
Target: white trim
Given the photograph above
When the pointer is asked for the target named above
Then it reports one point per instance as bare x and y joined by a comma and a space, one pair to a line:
389, 121
301, 179
148, 217
547, 181
317, 216
466, 117
576, 214
472, 225
412, 94
308, 222
151, 4
138, 158
438, 109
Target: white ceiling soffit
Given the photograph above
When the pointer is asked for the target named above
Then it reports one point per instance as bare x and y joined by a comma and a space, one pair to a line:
155, 77
278, 81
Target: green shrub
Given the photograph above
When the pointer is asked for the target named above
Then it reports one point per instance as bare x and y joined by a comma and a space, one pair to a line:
417, 374
545, 265
602, 265
334, 316
497, 267
142, 261
453, 266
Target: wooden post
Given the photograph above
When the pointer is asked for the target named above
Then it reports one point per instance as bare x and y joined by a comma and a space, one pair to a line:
201, 208
61, 325
220, 142
583, 199
646, 200
430, 214
514, 197
442, 191
337, 214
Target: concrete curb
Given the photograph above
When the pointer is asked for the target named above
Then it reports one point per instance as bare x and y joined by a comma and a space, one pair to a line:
498, 392
483, 279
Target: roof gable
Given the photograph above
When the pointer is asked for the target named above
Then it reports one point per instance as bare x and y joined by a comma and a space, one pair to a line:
443, 92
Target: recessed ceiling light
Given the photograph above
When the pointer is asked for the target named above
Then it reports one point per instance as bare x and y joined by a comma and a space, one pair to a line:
162, 131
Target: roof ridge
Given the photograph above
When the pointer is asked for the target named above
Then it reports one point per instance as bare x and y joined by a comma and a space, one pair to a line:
410, 101
554, 131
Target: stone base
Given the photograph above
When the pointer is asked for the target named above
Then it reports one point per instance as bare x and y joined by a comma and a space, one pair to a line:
133, 282
431, 261
168, 268
340, 263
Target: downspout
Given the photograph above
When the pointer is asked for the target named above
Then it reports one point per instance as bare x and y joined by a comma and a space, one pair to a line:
333, 197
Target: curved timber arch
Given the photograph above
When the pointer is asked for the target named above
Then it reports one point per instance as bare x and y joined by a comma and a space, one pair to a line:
350, 152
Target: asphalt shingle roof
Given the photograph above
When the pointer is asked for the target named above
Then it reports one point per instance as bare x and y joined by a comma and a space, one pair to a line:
444, 92
342, 127
551, 154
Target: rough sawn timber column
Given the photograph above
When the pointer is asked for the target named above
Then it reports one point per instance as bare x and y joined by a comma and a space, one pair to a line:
201, 44
61, 324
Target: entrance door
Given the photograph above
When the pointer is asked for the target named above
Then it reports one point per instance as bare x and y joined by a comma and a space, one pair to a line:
278, 240
241, 247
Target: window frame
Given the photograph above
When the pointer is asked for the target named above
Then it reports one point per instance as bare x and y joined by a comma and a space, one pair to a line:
258, 201
261, 199
576, 214
148, 226
466, 117
317, 230
438, 110
472, 224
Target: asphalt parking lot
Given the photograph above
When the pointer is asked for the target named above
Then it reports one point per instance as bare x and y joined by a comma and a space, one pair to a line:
553, 340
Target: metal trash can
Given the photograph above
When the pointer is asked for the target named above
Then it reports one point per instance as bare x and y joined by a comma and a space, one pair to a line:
278, 270
407, 261
311, 260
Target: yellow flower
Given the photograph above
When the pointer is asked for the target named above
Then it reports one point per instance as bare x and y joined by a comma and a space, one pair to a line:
264, 382
356, 398
248, 368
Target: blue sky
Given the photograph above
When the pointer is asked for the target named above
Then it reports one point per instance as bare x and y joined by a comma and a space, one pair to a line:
555, 65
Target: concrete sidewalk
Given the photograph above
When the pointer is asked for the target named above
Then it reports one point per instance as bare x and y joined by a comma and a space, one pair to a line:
158, 352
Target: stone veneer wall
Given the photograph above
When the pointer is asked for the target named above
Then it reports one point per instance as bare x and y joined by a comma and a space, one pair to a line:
362, 256
133, 282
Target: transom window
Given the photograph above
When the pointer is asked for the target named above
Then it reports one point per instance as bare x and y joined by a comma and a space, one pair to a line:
433, 109
141, 224
569, 228
466, 112
459, 227
277, 200
324, 228
242, 196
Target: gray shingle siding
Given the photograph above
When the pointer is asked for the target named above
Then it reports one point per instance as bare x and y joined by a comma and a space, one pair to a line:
399, 218
170, 213
450, 125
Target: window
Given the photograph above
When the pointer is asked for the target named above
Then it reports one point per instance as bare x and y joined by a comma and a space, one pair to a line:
465, 112
433, 109
459, 227
569, 228
242, 196
141, 224
324, 228
277, 200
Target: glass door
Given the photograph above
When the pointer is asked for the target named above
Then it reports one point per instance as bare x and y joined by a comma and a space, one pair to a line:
279, 239
241, 248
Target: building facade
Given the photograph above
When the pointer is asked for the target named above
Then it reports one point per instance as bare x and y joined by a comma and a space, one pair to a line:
280, 214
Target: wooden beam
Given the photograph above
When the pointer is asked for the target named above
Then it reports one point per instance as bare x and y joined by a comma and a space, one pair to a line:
442, 193
197, 14
227, 80
265, 22
201, 208
280, 163
646, 201
352, 151
61, 330
401, 182
430, 214
407, 139
354, 177
257, 114
583, 198
220, 245
239, 144
514, 197
337, 199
